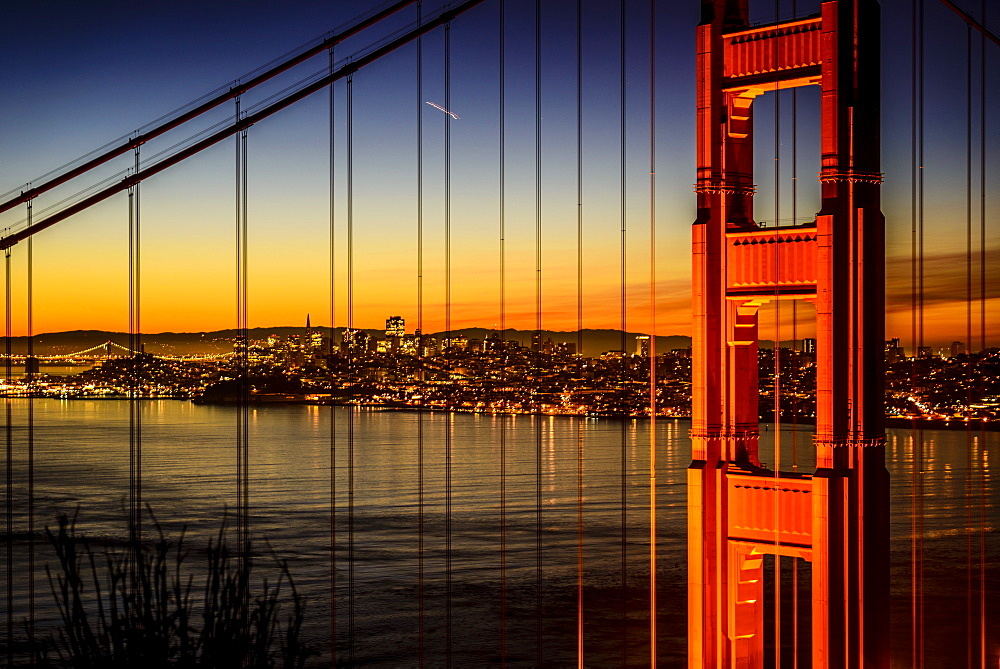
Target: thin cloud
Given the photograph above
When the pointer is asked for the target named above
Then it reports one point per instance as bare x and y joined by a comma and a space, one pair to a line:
945, 280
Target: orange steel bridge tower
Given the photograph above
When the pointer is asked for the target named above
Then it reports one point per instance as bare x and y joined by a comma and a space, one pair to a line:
738, 510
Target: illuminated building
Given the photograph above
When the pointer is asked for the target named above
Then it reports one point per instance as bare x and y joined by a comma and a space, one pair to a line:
395, 327
642, 346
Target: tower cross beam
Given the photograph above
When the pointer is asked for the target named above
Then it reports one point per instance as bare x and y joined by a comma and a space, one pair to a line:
738, 510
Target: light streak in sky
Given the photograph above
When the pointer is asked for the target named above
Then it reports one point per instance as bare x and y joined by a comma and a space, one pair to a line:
449, 113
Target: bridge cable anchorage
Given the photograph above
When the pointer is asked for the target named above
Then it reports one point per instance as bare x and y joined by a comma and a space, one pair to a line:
332, 364
248, 120
133, 142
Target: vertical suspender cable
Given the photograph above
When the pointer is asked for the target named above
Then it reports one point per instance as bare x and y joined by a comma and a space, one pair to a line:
330, 363
132, 382
31, 441
537, 342
797, 375
502, 343
969, 440
420, 344
918, 327
447, 327
776, 378
352, 352
795, 356
913, 329
982, 331
10, 465
652, 334
245, 336
623, 386
915, 613
243, 381
920, 331
243, 398
136, 364
240, 344
239, 358
579, 331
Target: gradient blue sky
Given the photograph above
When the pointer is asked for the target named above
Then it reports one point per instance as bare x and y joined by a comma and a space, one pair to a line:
80, 74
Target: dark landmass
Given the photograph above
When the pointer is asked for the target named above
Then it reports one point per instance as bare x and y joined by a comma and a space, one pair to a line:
595, 342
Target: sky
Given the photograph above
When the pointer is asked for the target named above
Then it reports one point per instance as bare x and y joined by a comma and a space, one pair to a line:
79, 75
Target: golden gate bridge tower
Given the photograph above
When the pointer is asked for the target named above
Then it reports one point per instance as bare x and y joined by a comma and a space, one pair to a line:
738, 510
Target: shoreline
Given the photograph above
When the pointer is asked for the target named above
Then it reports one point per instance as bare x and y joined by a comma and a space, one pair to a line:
890, 421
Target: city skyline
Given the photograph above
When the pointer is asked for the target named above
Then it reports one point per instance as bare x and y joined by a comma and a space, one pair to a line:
117, 79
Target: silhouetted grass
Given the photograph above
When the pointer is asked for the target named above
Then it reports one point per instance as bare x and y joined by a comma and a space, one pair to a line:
144, 605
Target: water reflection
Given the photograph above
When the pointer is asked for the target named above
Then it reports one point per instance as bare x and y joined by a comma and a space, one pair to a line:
189, 465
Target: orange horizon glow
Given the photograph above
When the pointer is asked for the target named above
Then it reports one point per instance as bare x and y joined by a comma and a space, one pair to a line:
198, 296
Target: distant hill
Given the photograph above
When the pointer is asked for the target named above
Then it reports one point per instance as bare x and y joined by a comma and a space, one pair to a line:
595, 342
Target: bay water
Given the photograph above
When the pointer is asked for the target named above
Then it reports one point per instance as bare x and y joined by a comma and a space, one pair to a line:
441, 490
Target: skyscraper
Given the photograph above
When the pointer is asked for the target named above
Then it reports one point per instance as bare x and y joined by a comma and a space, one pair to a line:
642, 346
395, 327
809, 346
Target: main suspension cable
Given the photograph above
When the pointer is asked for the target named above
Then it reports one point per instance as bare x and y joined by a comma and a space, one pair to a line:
208, 102
246, 121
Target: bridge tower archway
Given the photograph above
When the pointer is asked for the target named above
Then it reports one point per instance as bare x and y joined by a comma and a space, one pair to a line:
738, 510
